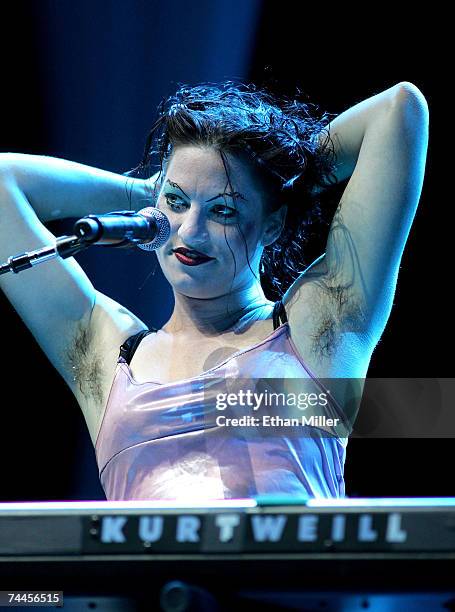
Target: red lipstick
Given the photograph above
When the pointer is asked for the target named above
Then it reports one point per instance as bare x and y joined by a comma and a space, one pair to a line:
190, 257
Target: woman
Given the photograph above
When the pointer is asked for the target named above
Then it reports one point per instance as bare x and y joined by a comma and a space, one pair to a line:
239, 179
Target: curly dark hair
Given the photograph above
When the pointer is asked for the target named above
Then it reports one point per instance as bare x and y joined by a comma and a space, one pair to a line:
278, 136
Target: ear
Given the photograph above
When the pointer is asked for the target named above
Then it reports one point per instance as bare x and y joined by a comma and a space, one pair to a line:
273, 225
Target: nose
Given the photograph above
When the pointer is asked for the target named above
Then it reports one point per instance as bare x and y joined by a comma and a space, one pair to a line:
193, 228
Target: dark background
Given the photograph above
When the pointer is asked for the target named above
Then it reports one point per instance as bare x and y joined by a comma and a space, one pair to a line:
82, 81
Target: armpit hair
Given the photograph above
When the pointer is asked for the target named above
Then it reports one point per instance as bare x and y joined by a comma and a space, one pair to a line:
85, 364
338, 311
340, 307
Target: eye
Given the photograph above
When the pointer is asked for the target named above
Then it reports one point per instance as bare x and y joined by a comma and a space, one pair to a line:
224, 211
176, 203
173, 200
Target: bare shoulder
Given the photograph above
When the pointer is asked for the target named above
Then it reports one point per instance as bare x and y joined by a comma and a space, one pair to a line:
93, 353
326, 324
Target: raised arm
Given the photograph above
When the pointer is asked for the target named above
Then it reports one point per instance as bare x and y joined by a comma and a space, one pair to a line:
57, 188
381, 144
56, 300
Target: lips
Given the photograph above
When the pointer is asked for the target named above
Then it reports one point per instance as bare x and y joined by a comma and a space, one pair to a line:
190, 257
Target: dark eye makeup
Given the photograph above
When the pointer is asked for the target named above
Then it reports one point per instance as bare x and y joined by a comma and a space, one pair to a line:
174, 201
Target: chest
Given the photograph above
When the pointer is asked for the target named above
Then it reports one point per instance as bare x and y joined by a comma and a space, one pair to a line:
168, 359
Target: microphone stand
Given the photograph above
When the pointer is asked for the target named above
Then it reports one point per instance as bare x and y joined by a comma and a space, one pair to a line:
87, 232
65, 246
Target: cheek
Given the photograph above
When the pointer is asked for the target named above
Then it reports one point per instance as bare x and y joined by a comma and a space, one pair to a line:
251, 233
237, 235
244, 243
249, 227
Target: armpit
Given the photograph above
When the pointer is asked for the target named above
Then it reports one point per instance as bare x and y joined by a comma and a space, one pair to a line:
339, 310
85, 364
341, 293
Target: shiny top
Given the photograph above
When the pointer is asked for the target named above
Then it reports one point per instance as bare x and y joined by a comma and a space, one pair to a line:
164, 441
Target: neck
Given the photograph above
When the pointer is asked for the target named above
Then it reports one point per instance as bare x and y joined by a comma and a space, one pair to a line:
210, 317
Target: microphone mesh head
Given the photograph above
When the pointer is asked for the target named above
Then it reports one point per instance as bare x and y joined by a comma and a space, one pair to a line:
164, 228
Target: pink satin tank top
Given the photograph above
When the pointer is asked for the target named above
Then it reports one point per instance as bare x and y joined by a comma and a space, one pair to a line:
161, 441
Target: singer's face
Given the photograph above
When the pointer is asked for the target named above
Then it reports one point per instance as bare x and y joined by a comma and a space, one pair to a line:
208, 215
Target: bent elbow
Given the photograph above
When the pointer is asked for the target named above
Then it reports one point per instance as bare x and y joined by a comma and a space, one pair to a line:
408, 96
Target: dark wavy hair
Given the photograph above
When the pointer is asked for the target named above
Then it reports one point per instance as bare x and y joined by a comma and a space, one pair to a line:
277, 136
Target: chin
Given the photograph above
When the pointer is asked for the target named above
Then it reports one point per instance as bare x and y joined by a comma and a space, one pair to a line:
198, 290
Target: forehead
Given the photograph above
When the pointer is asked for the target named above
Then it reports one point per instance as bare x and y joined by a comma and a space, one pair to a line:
198, 168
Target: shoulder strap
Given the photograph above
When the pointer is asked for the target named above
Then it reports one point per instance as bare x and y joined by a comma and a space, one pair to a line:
279, 313
130, 345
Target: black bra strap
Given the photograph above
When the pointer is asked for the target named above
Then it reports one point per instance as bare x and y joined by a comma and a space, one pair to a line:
279, 313
130, 345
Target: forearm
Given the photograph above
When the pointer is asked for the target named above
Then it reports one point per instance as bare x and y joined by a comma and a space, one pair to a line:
57, 188
347, 131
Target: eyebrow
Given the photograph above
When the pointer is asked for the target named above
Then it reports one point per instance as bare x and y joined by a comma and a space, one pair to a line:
233, 195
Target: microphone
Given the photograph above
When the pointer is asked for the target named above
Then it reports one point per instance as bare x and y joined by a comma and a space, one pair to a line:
147, 229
